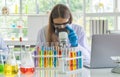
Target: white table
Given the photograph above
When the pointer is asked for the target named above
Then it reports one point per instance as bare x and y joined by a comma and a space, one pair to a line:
84, 73
105, 72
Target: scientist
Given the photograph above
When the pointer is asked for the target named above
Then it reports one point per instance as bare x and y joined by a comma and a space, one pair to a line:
61, 15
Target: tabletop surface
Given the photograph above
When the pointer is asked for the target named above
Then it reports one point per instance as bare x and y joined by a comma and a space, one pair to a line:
85, 72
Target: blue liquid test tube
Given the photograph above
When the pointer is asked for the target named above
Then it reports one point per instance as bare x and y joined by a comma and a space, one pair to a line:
55, 58
79, 60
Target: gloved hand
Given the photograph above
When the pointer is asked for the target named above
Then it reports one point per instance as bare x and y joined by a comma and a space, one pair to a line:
73, 38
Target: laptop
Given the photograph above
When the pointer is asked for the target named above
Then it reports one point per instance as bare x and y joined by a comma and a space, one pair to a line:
103, 47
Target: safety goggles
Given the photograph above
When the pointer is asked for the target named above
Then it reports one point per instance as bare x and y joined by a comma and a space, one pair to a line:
60, 25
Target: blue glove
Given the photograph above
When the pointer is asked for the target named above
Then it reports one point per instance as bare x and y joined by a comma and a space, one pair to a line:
73, 38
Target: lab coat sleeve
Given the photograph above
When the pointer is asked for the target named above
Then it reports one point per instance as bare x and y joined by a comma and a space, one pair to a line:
82, 45
85, 54
41, 37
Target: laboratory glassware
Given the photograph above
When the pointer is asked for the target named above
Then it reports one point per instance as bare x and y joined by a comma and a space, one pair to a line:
1, 62
27, 64
11, 66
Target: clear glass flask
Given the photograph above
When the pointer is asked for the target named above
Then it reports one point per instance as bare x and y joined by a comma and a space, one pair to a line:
27, 64
11, 66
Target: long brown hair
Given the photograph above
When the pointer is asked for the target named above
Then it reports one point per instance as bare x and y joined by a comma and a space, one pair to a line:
59, 10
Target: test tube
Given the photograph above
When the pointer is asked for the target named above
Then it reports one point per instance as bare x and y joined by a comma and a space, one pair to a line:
55, 57
45, 58
79, 60
60, 52
51, 57
40, 58
57, 50
74, 60
71, 61
35, 59
42, 54
16, 8
66, 62
37, 53
48, 48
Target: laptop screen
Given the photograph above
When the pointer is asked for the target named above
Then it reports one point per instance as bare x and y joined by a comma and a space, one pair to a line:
103, 47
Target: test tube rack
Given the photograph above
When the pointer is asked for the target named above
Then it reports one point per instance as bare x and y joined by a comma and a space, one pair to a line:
71, 63
55, 59
47, 58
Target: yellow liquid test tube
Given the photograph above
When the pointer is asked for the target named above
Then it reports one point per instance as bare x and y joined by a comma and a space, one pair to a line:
51, 58
74, 61
16, 9
40, 59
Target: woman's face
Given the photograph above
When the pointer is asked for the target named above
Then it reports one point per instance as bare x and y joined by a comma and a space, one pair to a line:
60, 22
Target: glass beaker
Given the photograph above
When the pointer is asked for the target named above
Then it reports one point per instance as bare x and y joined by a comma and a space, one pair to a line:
1, 62
27, 64
11, 67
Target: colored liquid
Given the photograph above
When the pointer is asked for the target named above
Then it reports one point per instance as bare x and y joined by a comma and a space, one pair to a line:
79, 61
55, 59
26, 9
41, 60
10, 70
71, 61
1, 68
27, 71
45, 60
16, 9
50, 59
74, 61
60, 53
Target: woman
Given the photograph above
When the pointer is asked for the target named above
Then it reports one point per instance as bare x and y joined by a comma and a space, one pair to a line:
61, 15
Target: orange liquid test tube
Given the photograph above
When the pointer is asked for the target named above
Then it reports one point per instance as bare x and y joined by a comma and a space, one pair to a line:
71, 61
45, 59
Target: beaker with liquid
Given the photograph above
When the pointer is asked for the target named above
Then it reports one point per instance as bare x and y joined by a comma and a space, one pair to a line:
11, 66
27, 64
1, 62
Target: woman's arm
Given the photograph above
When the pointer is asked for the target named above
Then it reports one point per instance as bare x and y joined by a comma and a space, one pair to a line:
82, 45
